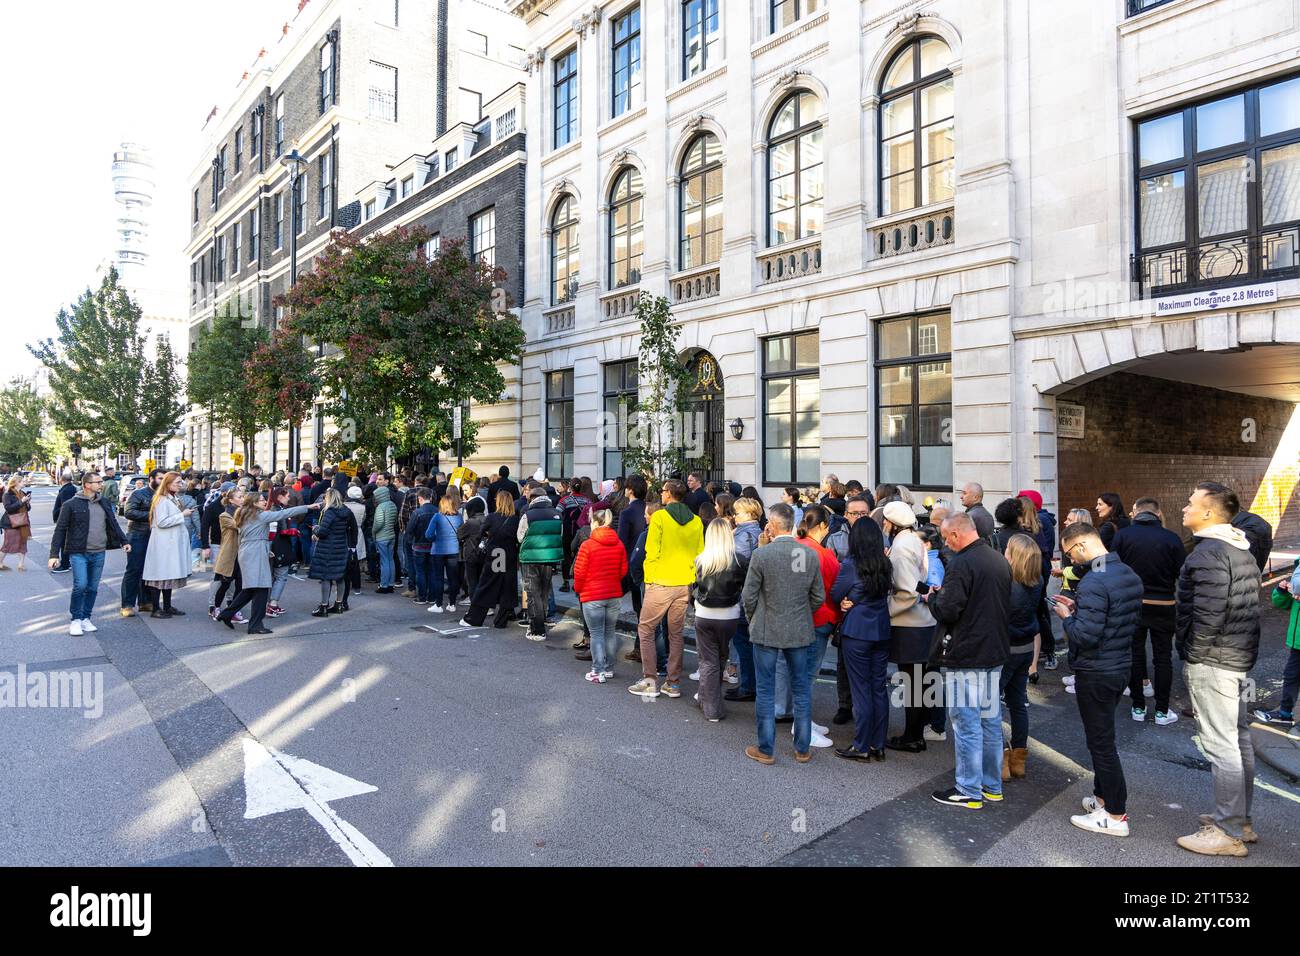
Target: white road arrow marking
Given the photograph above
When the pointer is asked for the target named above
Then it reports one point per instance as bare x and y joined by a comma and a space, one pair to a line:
275, 782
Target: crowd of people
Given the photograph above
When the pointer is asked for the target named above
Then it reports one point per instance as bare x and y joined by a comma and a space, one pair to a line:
955, 597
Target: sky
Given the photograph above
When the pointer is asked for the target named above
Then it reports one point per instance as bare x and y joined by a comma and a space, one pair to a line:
83, 76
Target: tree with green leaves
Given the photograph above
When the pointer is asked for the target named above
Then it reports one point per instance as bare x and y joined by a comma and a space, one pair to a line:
22, 419
53, 447
218, 379
105, 388
282, 378
655, 438
408, 339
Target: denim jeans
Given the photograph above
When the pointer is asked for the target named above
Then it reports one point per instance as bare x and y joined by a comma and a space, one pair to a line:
743, 652
972, 697
816, 652
422, 575
602, 621
279, 578
132, 589
407, 552
445, 581
308, 548
86, 570
1290, 681
385, 551
1015, 684
796, 659
537, 585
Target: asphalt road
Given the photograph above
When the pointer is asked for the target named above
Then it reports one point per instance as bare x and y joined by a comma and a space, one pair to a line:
475, 746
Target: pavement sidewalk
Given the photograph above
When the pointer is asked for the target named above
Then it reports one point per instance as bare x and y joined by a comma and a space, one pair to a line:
1278, 747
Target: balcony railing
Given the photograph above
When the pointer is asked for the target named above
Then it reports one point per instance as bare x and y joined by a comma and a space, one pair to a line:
620, 303
560, 319
1274, 254
901, 236
782, 265
704, 284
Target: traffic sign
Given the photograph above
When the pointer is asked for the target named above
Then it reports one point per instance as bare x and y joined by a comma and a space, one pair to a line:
236, 459
455, 422
149, 465
348, 468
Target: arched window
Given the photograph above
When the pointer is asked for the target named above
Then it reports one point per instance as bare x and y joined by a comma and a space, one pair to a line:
625, 229
564, 251
794, 170
699, 203
916, 121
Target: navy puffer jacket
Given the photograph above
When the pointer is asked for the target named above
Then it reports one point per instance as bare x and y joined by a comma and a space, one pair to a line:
1218, 602
329, 557
1108, 601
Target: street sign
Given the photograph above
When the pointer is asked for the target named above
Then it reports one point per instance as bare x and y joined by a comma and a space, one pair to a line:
1069, 420
185, 464
275, 782
348, 468
149, 465
455, 422
236, 459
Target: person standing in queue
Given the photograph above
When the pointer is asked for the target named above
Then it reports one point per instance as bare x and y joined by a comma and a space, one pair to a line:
253, 519
168, 563
137, 530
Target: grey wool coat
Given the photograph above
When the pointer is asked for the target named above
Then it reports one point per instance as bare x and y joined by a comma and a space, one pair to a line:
782, 590
255, 546
168, 557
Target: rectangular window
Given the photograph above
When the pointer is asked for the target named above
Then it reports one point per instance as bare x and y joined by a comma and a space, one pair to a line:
914, 401
1216, 199
279, 220
471, 106
196, 207
559, 422
194, 283
221, 170
383, 92
786, 12
326, 76
219, 273
255, 140
483, 237
433, 246
325, 189
700, 47
279, 124
370, 209
236, 247
566, 97
433, 169
627, 62
792, 440
239, 149
300, 209
255, 234
408, 185
452, 158
620, 380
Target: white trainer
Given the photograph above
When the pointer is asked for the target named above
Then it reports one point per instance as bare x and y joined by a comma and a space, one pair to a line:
695, 675
820, 740
935, 735
1099, 821
75, 629
87, 627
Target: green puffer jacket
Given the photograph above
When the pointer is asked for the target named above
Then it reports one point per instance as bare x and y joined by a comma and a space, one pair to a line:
542, 527
384, 526
1283, 600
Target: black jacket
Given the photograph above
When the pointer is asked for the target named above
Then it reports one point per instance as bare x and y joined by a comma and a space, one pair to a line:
721, 589
74, 525
1154, 552
696, 498
13, 504
336, 534
1023, 623
1217, 621
210, 523
137, 510
66, 493
1258, 532
501, 484
975, 604
1108, 602
1108, 529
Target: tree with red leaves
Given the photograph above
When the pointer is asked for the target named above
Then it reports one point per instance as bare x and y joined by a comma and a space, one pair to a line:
286, 380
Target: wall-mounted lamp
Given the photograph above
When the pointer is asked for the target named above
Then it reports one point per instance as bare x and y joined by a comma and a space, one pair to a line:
737, 429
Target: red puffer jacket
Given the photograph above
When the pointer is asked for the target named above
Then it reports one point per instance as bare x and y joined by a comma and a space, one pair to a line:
600, 567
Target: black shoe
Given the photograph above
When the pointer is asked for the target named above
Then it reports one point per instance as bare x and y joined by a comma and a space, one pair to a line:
321, 610
736, 693
849, 753
787, 719
583, 655
383, 590
581, 645
842, 716
342, 607
226, 621
875, 754
162, 614
337, 608
906, 746
955, 798
174, 612
260, 630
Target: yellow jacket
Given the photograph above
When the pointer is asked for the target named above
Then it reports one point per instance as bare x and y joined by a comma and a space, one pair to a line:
675, 538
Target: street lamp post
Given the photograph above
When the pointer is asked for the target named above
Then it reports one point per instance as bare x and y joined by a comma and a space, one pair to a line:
294, 163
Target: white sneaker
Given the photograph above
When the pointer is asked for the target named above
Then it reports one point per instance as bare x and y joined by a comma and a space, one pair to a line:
820, 740
1099, 821
732, 678
434, 609
695, 676
464, 623
87, 627
819, 729
607, 674
931, 734
535, 637
449, 609
75, 629
594, 677
1068, 680
1166, 717
1069, 689
1147, 689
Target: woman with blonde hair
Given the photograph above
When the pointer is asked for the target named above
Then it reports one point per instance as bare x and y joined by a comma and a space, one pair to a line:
747, 527
167, 563
253, 519
16, 522
1026, 579
497, 585
719, 579
333, 538
444, 555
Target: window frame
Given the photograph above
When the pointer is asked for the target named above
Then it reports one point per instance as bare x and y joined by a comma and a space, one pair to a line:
628, 172
913, 361
551, 402
796, 136
279, 220
325, 188
255, 233
800, 11
1250, 149
372, 89
766, 376
914, 89
572, 225
631, 43
684, 177
569, 82
706, 44
279, 125
236, 240
300, 204
622, 392
255, 137
488, 252
239, 150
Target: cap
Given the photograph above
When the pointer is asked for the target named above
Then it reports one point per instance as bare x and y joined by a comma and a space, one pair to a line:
899, 515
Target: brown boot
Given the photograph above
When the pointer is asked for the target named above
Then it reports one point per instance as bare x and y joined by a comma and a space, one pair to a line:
1018, 757
1006, 765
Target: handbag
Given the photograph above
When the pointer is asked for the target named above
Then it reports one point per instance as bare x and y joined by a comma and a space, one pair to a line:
20, 519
